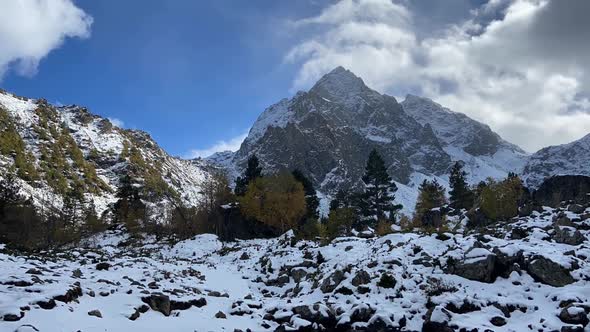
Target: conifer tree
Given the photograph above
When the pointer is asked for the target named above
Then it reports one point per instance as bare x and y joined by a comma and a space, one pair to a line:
311, 199
252, 172
377, 200
461, 197
431, 195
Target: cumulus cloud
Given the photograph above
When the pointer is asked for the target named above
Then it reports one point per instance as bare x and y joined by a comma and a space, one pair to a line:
232, 144
30, 29
520, 66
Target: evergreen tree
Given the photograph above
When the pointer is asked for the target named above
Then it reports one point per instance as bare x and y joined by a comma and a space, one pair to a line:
252, 172
341, 200
461, 197
431, 195
377, 200
311, 199
129, 209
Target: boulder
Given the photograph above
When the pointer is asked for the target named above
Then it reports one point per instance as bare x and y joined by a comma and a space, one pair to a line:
576, 208
476, 268
387, 281
568, 235
331, 282
548, 272
298, 274
574, 315
437, 320
362, 277
95, 313
220, 315
103, 266
158, 302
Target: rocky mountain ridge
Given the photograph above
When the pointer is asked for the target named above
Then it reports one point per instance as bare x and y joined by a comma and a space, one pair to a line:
67, 149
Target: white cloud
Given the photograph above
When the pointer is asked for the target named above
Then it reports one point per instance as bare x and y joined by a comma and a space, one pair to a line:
501, 66
117, 122
233, 144
30, 29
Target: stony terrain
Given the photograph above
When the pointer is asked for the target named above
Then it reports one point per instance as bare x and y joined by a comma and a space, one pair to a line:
526, 274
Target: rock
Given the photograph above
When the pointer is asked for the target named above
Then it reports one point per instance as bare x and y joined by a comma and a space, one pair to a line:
361, 313
548, 272
281, 281
244, 256
561, 219
572, 329
103, 266
498, 321
362, 277
76, 273
477, 268
568, 235
576, 208
437, 320
13, 317
34, 271
220, 315
386, 281
47, 305
574, 315
95, 313
331, 282
557, 189
158, 302
298, 274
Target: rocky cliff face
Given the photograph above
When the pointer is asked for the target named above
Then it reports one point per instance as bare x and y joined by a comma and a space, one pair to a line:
484, 152
67, 148
567, 159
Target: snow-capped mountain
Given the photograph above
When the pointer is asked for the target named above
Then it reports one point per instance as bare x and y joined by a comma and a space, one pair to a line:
65, 147
572, 158
328, 132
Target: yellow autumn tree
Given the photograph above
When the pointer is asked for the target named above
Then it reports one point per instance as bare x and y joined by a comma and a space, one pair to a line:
277, 201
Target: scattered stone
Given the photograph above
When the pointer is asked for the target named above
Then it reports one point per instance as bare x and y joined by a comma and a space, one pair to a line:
13, 317
244, 256
476, 268
298, 274
95, 313
103, 266
34, 271
220, 315
387, 281
77, 273
498, 321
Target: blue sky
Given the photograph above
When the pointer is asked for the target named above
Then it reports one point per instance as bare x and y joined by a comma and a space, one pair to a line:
190, 73
196, 74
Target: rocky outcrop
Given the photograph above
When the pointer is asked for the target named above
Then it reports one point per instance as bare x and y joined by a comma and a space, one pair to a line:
557, 189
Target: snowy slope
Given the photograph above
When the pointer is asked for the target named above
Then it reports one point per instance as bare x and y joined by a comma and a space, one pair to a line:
102, 145
205, 285
567, 159
484, 152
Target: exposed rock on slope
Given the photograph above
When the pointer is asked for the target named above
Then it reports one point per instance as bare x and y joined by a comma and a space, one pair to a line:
567, 159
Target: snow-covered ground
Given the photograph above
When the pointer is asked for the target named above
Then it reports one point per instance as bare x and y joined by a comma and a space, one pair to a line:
499, 279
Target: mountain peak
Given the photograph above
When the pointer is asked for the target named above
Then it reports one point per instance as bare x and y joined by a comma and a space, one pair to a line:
340, 85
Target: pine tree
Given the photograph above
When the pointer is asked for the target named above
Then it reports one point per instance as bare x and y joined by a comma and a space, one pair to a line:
252, 172
341, 200
311, 199
461, 197
431, 195
377, 200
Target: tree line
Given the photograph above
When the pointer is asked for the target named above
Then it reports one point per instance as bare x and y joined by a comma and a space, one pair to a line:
260, 205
